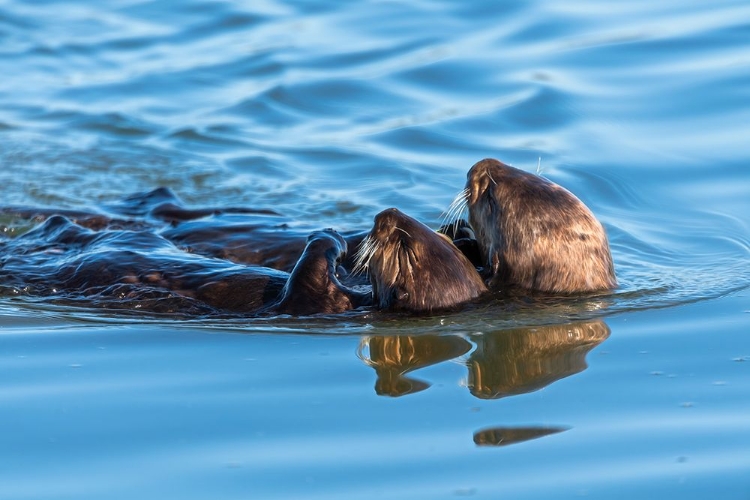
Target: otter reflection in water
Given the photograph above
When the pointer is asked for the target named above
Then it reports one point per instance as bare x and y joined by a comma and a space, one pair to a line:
504, 363
504, 436
518, 361
393, 357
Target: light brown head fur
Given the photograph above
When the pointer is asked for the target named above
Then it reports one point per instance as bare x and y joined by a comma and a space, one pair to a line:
413, 268
535, 234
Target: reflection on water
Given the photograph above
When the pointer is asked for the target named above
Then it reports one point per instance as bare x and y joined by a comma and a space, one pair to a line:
504, 363
511, 362
503, 436
394, 356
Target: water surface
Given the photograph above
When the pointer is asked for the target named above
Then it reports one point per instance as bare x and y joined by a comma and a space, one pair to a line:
329, 113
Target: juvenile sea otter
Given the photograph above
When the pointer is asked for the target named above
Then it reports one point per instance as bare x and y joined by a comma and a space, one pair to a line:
413, 268
535, 234
142, 270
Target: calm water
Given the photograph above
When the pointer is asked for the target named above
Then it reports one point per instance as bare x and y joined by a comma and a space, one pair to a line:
329, 112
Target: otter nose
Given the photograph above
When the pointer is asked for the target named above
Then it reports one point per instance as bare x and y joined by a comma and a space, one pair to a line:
480, 176
477, 170
388, 216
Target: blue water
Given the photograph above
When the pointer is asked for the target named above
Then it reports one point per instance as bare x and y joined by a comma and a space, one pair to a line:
329, 112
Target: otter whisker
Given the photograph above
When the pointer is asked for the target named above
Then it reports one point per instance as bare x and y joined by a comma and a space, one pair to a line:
362, 256
361, 253
367, 249
407, 234
493, 180
457, 207
451, 213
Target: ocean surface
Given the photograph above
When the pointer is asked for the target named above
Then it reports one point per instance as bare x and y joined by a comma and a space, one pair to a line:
329, 112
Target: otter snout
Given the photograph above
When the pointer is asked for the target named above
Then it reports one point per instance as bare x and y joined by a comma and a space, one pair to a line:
480, 178
387, 221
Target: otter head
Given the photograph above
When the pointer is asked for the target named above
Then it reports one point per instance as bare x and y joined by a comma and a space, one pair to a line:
413, 268
313, 286
533, 233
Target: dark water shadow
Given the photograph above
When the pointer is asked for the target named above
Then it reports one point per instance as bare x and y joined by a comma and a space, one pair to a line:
504, 436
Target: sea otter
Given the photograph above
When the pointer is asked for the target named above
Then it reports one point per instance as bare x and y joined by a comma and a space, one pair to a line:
413, 268
142, 270
535, 234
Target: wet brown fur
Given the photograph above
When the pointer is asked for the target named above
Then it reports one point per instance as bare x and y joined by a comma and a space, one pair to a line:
535, 234
413, 268
314, 285
142, 270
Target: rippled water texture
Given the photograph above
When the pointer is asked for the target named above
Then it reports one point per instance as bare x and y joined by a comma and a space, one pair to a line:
327, 113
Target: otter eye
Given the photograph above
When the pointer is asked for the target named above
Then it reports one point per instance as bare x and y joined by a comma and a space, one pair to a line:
400, 295
340, 271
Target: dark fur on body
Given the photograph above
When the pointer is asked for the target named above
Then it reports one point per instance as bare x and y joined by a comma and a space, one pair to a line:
314, 284
142, 270
535, 234
413, 268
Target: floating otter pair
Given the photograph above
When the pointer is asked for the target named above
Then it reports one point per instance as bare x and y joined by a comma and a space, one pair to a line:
530, 233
